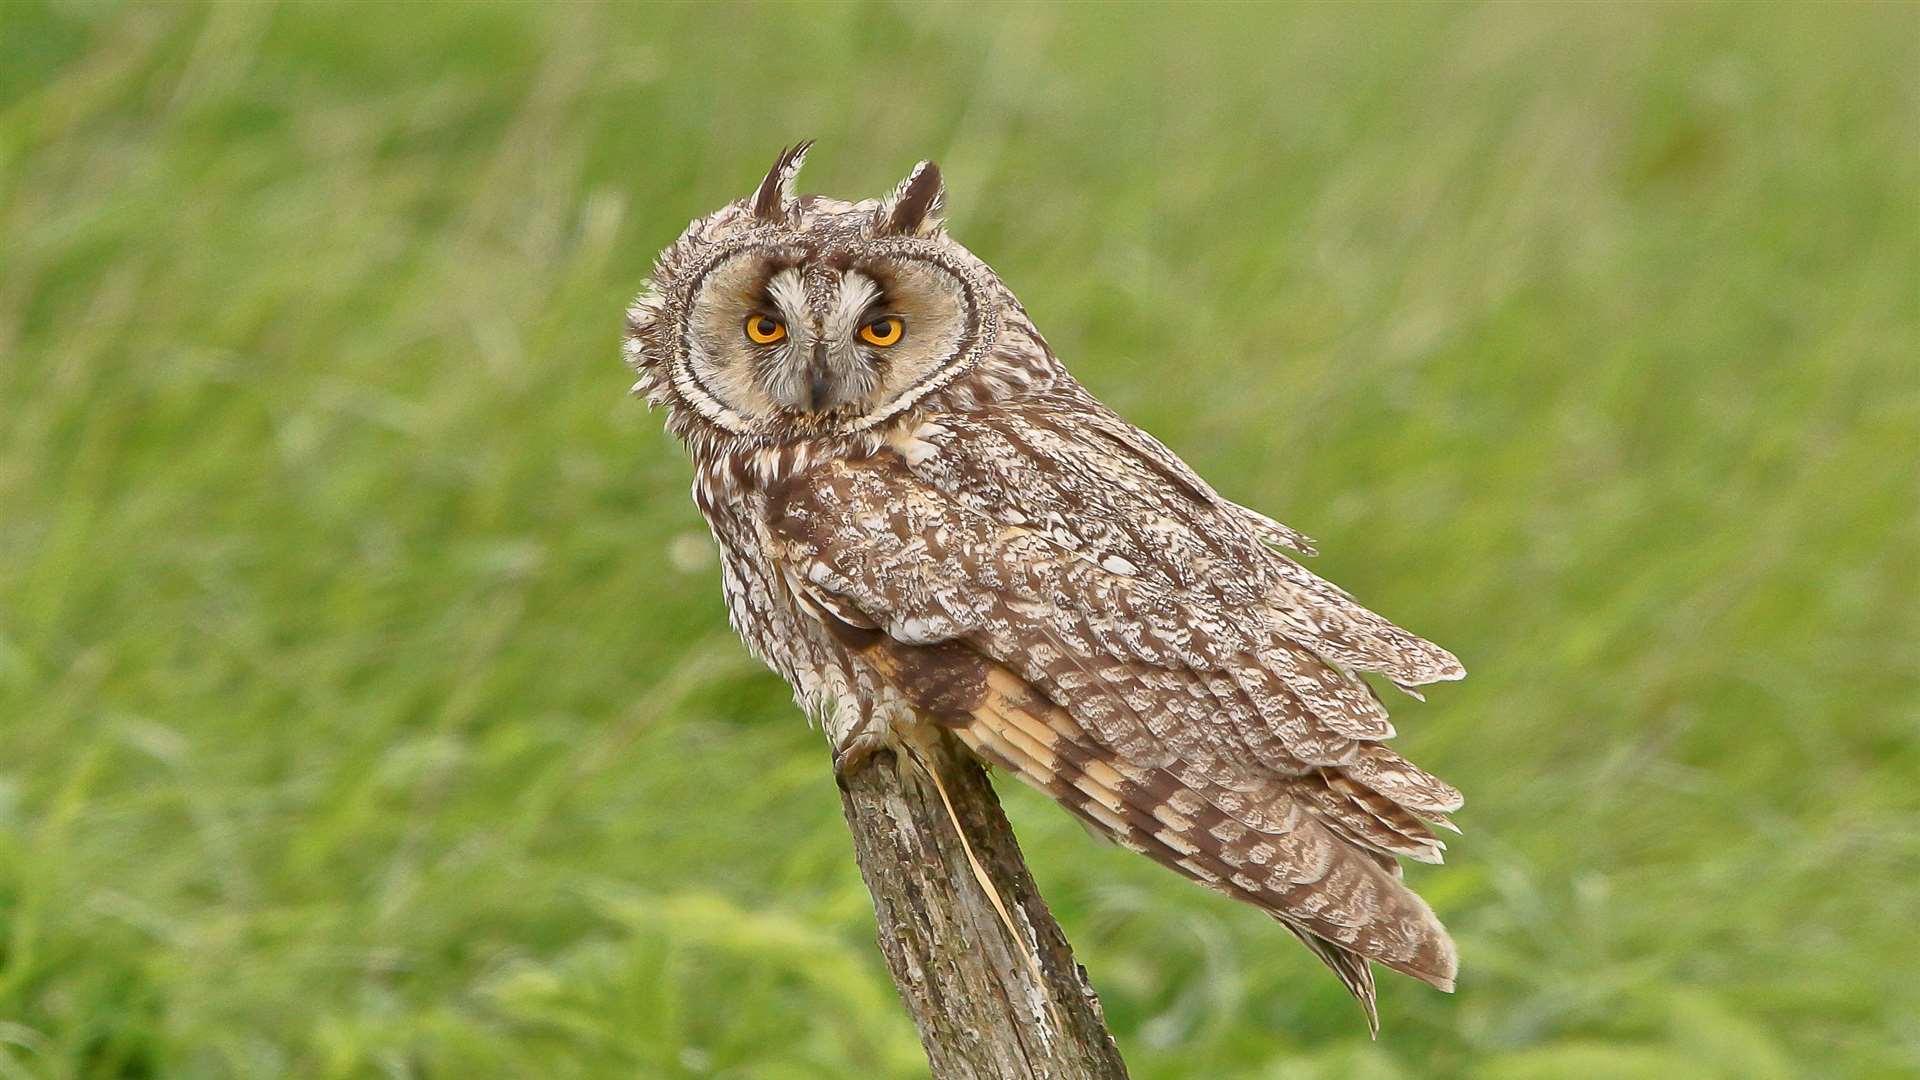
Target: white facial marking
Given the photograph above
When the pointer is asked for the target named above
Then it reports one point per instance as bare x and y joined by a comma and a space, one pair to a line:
857, 294
789, 294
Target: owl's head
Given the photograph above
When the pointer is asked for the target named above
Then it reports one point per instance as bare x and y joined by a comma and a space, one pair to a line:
783, 316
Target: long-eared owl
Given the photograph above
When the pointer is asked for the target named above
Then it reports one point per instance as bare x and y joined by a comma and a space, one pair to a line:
923, 519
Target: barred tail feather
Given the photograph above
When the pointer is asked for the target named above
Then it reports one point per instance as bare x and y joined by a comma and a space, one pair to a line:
1320, 860
1355, 973
1348, 908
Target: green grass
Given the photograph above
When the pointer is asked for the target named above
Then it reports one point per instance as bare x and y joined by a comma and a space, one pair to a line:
367, 706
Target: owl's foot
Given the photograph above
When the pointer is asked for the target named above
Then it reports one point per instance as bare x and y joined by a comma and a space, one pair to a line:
858, 747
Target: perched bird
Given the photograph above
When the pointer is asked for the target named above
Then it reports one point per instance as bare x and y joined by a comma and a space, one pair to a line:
924, 520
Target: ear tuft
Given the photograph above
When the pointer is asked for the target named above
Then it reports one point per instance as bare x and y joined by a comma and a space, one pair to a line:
914, 208
776, 191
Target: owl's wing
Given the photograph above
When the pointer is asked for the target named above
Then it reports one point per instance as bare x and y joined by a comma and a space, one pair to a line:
1064, 465
1190, 729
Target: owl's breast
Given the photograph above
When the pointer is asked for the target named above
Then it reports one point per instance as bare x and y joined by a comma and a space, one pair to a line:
758, 606
832, 685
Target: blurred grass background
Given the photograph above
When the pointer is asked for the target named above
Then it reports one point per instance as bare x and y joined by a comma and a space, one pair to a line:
367, 706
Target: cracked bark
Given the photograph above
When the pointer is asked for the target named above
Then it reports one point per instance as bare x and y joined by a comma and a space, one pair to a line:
987, 1006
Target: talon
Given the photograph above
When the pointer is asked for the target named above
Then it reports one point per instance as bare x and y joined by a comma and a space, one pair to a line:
857, 751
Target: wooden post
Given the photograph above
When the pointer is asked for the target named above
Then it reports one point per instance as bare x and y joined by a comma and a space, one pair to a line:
988, 1006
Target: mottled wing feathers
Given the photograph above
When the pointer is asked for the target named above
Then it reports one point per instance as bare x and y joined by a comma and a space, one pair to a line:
1063, 465
1123, 646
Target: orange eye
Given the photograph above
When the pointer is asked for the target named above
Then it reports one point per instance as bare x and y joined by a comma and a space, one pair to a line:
883, 331
764, 330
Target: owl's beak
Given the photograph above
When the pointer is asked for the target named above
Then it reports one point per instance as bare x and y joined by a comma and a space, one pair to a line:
814, 381
819, 381
819, 390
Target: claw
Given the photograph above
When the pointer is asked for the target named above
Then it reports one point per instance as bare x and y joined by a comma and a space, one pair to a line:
857, 749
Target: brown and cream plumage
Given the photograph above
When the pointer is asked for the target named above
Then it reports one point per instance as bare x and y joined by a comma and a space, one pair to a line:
924, 520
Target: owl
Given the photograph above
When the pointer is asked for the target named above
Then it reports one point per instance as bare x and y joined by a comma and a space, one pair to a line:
926, 523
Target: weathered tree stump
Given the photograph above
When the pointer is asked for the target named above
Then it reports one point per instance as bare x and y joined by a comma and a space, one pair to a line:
988, 1006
